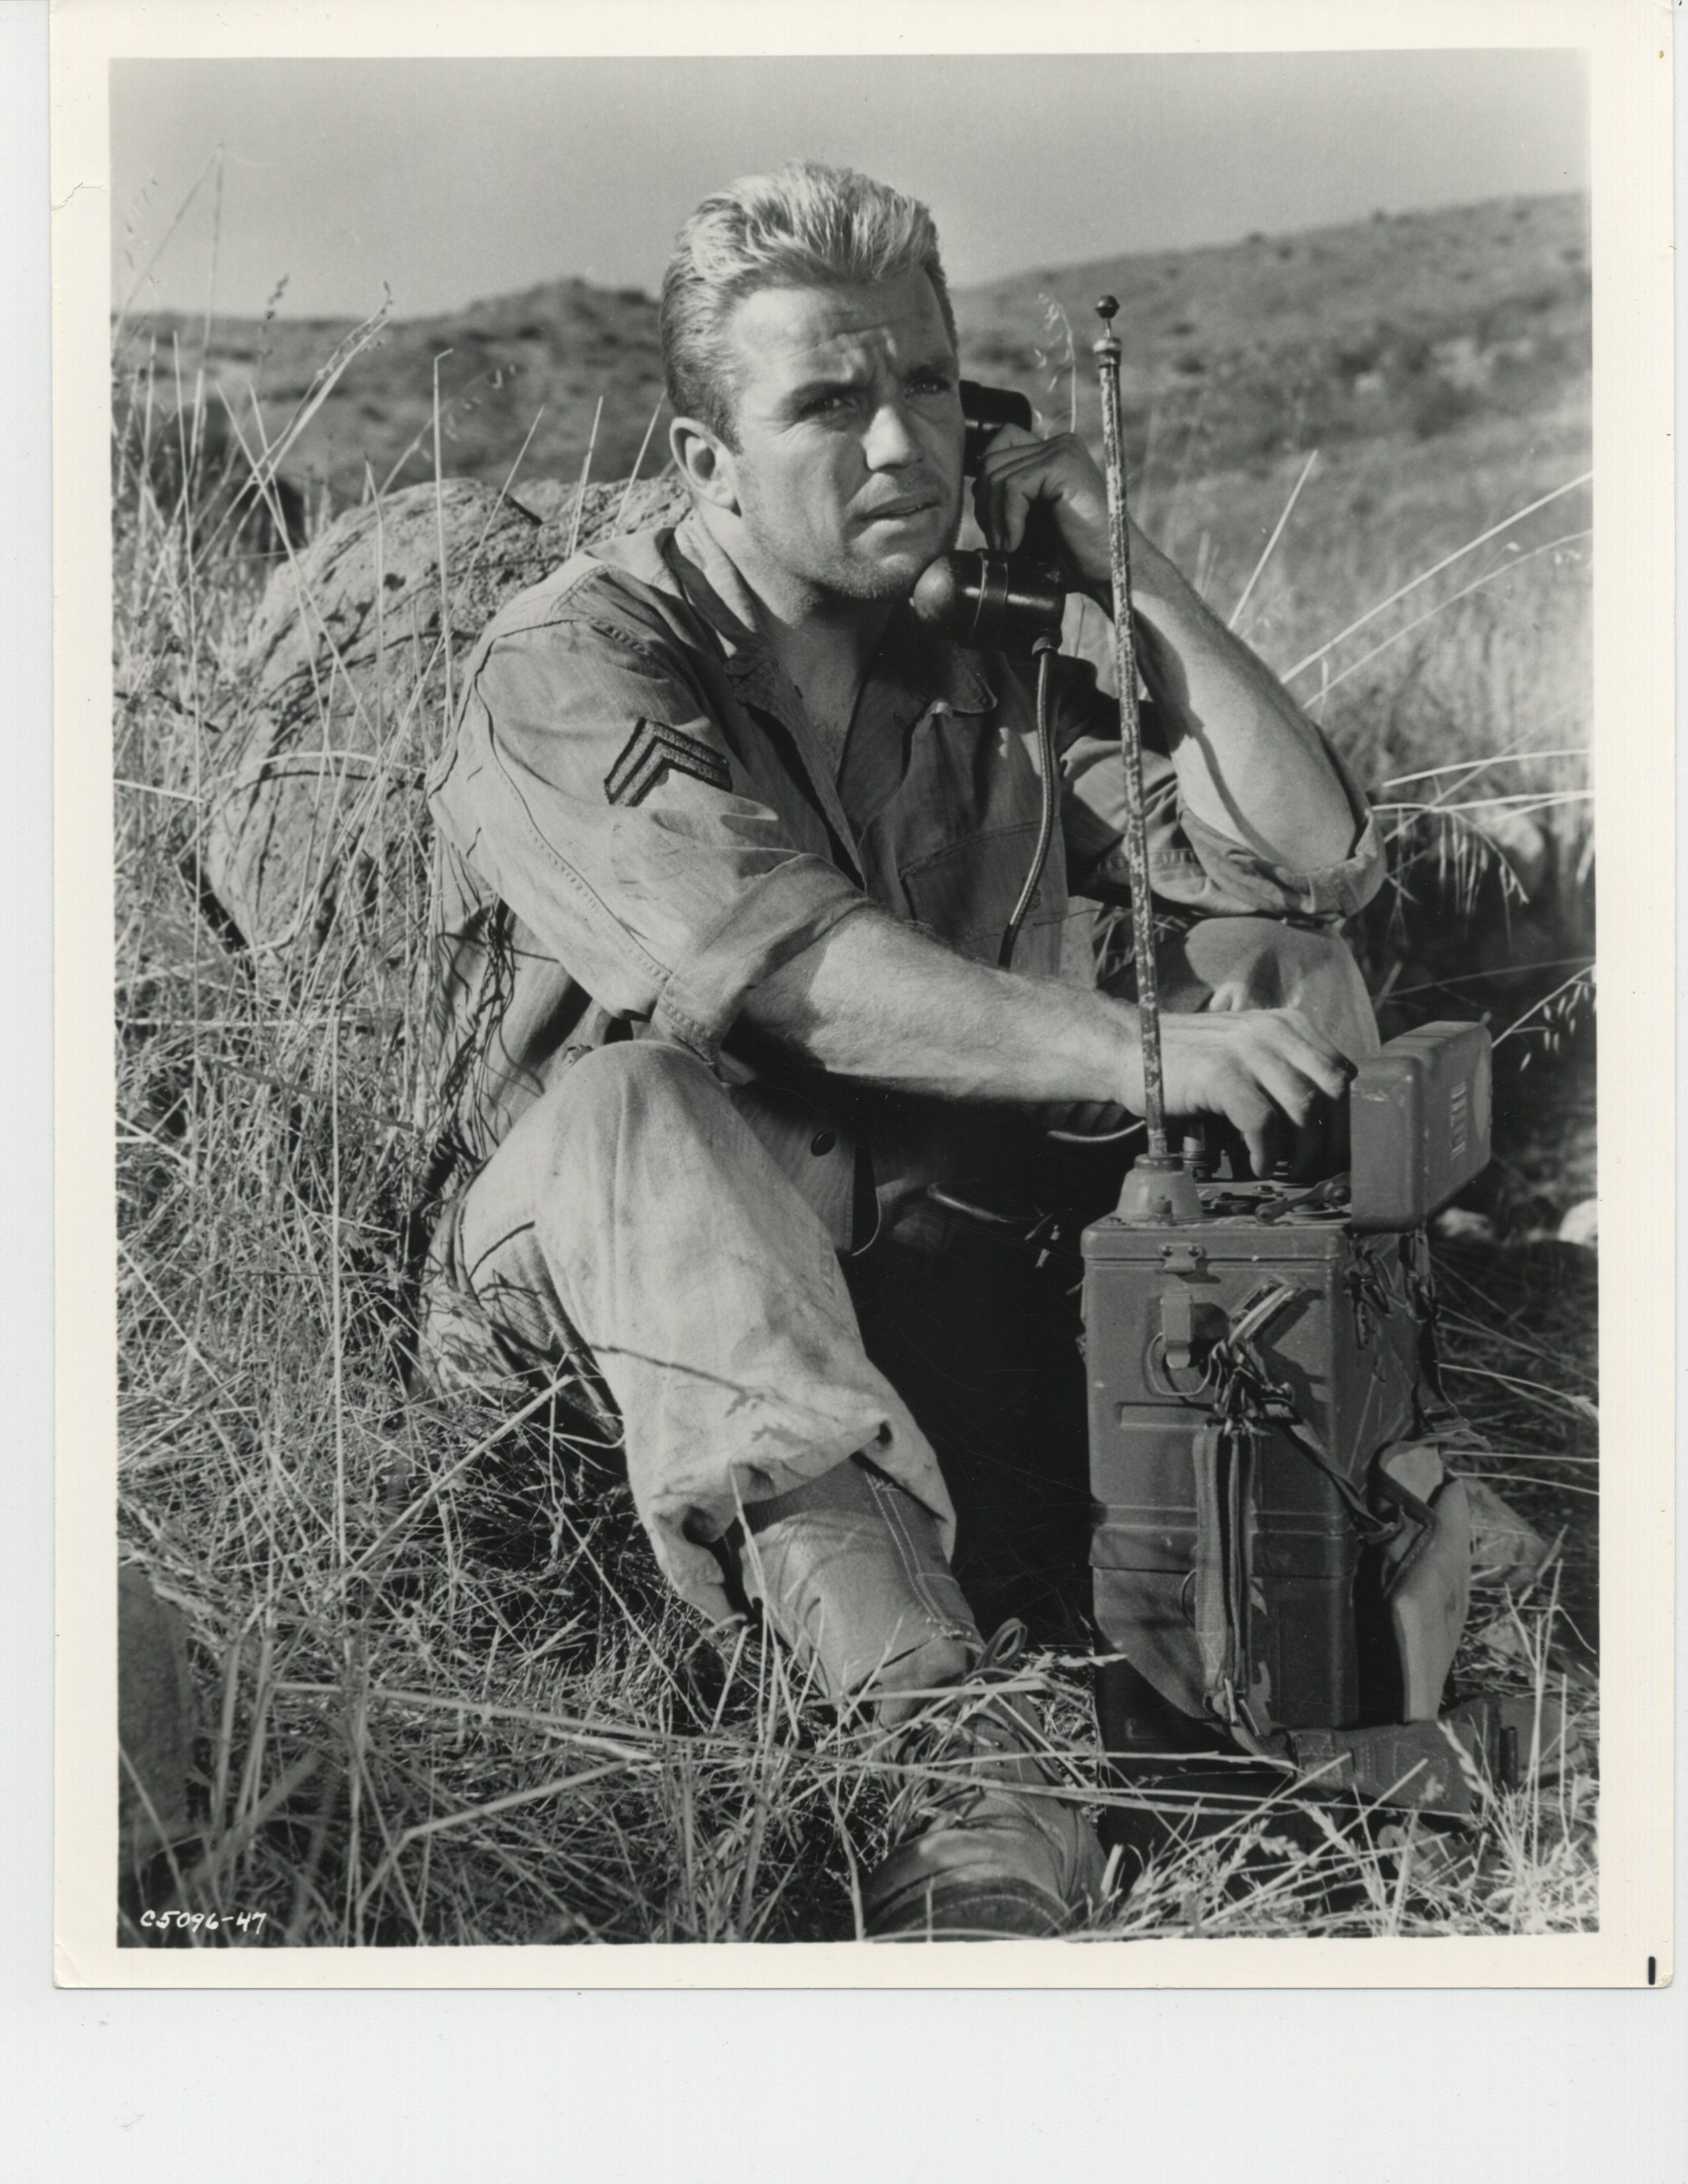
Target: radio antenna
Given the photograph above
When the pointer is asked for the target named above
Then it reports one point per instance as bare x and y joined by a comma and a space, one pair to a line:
1158, 1187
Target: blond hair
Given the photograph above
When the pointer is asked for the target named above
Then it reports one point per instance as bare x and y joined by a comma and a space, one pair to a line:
804, 225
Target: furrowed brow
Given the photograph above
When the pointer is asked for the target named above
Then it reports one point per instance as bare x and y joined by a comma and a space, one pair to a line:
842, 382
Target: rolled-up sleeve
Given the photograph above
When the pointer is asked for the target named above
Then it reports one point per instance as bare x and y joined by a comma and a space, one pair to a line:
1230, 879
1191, 864
590, 790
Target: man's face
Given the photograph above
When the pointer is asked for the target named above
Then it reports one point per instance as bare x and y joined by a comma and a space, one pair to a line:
848, 472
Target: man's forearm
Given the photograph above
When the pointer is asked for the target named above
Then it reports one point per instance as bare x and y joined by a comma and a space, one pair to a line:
876, 1003
873, 1002
1250, 764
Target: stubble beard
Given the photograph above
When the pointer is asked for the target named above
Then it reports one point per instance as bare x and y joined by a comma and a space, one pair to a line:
838, 574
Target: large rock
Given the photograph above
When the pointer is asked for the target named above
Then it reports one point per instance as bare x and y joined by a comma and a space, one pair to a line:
316, 834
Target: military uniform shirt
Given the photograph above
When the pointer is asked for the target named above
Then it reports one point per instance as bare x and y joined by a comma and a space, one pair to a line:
638, 821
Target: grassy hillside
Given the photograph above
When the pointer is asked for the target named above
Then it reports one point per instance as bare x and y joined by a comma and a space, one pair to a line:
1392, 328
548, 354
1387, 327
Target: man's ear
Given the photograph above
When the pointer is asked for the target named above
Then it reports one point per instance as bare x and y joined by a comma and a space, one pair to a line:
706, 462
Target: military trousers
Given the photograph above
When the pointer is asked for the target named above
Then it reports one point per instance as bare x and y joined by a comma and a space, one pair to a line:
636, 1226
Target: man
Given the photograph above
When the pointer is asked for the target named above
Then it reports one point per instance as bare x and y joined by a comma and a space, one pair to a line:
727, 845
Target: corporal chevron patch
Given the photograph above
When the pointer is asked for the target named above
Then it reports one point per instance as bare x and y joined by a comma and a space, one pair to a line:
648, 754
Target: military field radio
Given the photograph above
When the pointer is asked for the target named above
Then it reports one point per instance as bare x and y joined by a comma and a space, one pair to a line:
1281, 1551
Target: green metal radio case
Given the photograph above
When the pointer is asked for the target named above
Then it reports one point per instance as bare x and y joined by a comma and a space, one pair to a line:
1418, 1123
1271, 1514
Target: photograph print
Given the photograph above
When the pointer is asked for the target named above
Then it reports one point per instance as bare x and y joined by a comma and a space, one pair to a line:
855, 1010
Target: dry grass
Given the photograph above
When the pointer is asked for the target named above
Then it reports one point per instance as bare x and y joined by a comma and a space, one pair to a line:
447, 1697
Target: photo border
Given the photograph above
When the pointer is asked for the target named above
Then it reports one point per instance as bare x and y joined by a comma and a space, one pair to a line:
1633, 769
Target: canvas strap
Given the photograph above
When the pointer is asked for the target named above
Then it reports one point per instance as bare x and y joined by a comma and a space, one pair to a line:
1224, 1458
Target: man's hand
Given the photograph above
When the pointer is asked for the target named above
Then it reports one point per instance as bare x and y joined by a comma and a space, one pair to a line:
1267, 1072
1019, 472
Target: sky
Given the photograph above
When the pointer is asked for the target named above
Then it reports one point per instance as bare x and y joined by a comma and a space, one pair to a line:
450, 180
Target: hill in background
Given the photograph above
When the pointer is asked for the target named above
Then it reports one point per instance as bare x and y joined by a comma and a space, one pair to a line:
1404, 326
1392, 328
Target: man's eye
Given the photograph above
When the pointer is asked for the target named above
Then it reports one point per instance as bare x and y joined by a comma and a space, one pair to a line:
930, 382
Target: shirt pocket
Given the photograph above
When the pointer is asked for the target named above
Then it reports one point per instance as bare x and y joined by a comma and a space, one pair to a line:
966, 893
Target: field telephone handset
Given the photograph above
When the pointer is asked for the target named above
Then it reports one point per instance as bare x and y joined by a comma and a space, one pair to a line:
997, 602
1002, 603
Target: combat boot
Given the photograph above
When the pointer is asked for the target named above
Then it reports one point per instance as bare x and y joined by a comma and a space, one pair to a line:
849, 1570
985, 1846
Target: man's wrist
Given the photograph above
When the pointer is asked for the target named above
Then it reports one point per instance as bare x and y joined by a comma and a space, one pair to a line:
1096, 1056
1130, 1062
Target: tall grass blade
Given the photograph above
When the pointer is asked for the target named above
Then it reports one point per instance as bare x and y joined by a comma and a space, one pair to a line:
1501, 569
1447, 562
638, 464
439, 525
1470, 766
135, 285
1582, 979
585, 473
211, 279
1236, 613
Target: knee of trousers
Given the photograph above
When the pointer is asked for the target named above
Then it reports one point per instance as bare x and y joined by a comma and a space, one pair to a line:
637, 1071
1261, 963
638, 1100
623, 1088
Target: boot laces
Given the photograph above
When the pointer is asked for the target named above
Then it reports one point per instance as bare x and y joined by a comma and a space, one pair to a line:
975, 1743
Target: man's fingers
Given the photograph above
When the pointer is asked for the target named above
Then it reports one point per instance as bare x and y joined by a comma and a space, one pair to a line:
1287, 1068
1310, 1093
1012, 449
1260, 1153
1238, 1098
1000, 516
1017, 472
1310, 1053
1292, 1088
1001, 501
1279, 1084
1278, 1144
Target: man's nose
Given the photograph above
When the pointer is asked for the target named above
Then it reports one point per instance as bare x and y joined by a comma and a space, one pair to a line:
890, 442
